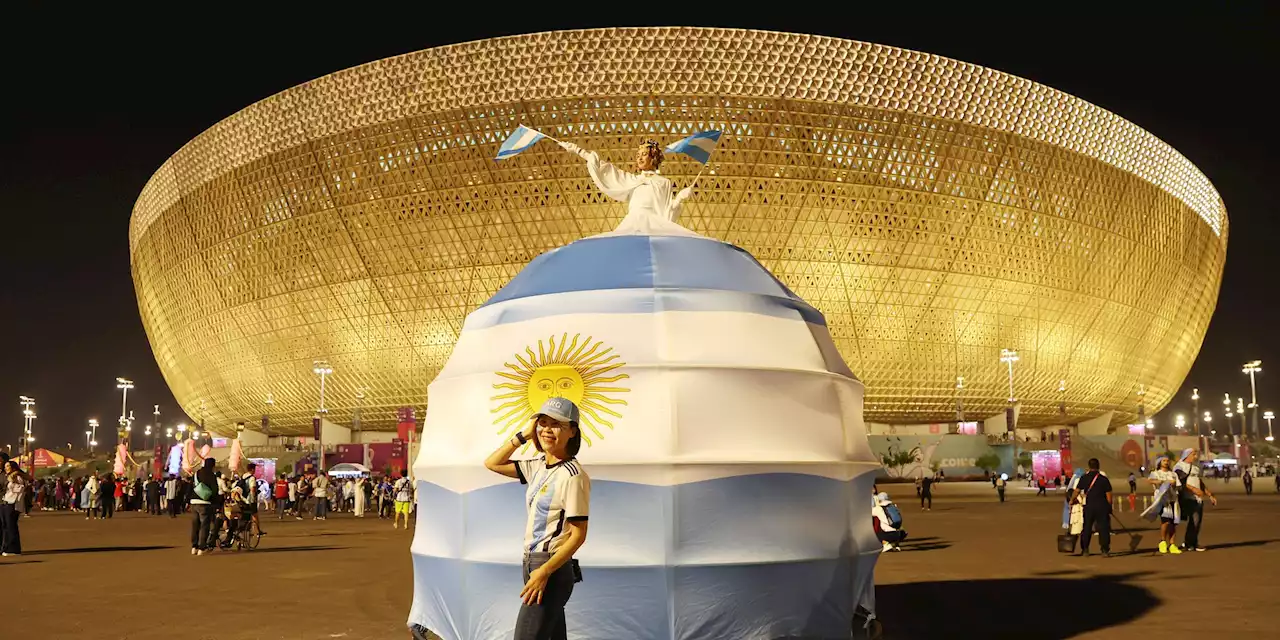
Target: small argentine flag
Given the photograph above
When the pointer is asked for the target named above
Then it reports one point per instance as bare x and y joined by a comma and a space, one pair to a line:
522, 138
697, 146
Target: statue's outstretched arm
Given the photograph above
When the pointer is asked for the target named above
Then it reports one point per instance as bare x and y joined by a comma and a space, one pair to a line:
610, 180
579, 151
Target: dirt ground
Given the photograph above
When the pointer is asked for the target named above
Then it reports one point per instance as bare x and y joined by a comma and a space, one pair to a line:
972, 568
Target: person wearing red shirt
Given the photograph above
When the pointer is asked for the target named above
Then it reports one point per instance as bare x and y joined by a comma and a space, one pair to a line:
281, 494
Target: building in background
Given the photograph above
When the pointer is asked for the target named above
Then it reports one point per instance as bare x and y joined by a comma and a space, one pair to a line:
935, 211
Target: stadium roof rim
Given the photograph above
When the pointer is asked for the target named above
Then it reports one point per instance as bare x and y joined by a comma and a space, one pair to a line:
1147, 156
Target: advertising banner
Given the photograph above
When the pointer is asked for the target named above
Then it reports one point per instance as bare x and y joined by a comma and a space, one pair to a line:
1064, 450
266, 468
1046, 464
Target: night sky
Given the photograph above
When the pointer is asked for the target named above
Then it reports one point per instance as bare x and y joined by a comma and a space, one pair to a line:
95, 103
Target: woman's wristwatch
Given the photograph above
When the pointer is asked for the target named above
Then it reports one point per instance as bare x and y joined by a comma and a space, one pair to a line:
520, 439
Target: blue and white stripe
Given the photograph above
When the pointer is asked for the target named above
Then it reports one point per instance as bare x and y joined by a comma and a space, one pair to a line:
644, 274
697, 146
519, 140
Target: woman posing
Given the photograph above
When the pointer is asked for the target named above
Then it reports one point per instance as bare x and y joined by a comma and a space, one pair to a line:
15, 485
557, 503
1166, 499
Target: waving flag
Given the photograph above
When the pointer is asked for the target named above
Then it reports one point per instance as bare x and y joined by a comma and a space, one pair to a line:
697, 146
519, 140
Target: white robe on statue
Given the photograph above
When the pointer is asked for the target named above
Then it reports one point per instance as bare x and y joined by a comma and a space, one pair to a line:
651, 209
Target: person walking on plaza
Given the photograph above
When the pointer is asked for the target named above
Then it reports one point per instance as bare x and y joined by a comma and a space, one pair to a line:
404, 496
203, 505
118, 485
108, 488
1133, 483
152, 491
1247, 479
320, 488
360, 496
926, 493
1164, 504
558, 504
1097, 508
1194, 492
1000, 486
15, 485
1042, 485
171, 492
293, 497
59, 494
90, 493
281, 492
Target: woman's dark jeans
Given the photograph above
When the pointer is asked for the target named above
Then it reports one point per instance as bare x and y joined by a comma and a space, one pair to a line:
545, 621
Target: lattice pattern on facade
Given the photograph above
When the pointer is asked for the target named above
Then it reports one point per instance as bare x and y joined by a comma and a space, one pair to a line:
935, 211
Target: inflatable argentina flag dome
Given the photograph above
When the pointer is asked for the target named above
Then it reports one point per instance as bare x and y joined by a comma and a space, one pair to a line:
723, 434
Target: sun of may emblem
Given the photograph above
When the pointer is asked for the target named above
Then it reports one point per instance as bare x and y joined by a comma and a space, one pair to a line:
578, 369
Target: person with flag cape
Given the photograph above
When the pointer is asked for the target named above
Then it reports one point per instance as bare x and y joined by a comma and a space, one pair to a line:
1164, 504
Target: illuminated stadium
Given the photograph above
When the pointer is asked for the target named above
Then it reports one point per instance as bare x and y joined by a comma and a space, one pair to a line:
936, 212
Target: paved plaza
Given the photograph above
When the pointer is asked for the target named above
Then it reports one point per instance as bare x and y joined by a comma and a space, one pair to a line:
972, 568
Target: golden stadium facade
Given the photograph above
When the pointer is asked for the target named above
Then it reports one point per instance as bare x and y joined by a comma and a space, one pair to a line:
935, 211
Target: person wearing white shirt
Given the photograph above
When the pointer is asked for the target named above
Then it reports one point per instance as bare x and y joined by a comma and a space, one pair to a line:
557, 502
321, 487
651, 209
1170, 514
1194, 492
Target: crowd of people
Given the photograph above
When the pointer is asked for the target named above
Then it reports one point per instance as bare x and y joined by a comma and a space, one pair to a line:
319, 495
219, 502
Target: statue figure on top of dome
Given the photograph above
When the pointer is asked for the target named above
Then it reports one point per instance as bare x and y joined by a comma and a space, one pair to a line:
651, 209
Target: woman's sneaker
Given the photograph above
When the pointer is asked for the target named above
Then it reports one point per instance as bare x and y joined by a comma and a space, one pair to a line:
1173, 548
1164, 547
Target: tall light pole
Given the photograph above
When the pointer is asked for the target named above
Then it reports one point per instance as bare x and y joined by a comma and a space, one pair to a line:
93, 434
1230, 414
156, 423
1251, 368
1226, 403
124, 385
1208, 423
1195, 410
1180, 422
1268, 416
1009, 356
322, 369
1240, 412
28, 415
